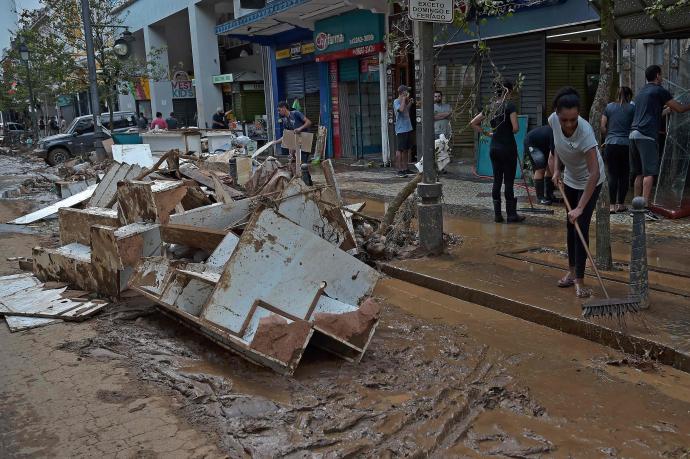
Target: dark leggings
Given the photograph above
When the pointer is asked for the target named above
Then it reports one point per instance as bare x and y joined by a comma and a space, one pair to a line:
577, 257
504, 163
618, 158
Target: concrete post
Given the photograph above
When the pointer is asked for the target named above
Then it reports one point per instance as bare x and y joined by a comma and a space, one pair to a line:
202, 27
161, 91
430, 210
639, 276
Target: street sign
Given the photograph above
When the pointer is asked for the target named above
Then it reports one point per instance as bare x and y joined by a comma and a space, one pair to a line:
431, 10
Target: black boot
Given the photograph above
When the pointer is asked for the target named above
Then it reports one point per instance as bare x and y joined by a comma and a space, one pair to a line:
498, 217
511, 206
539, 186
549, 189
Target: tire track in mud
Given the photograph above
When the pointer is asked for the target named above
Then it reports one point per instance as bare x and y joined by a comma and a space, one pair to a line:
416, 393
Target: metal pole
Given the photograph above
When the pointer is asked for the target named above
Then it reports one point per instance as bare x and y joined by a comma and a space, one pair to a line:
93, 82
639, 275
430, 210
34, 120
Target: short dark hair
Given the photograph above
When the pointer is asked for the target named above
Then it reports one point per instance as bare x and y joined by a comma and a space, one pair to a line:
652, 72
159, 114
566, 97
172, 114
438, 92
283, 104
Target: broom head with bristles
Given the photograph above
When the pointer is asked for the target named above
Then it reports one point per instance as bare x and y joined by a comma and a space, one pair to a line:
611, 307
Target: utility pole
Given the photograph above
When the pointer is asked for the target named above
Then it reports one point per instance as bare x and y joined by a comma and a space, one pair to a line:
430, 210
93, 82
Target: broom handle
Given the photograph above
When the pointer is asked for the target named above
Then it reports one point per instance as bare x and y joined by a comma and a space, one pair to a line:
582, 239
524, 180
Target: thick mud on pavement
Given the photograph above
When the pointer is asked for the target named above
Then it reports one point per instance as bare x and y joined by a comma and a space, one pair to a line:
416, 392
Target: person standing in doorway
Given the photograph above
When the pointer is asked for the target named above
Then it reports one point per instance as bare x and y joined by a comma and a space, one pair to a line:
159, 122
53, 125
63, 124
293, 120
644, 146
616, 122
442, 114
403, 130
219, 120
503, 150
142, 122
171, 121
538, 146
576, 147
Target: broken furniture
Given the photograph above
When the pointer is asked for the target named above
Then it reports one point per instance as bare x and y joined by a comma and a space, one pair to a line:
187, 141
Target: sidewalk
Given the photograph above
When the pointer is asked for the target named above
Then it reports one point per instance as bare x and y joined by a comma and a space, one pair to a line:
514, 268
465, 193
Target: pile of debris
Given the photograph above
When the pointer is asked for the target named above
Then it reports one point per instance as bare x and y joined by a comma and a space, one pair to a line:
258, 261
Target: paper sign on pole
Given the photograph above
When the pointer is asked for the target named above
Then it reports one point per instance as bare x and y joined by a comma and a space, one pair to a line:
431, 10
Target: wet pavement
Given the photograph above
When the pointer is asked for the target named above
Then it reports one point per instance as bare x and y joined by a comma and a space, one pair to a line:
442, 378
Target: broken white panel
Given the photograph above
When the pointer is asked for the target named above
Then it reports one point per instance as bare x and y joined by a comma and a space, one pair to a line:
53, 208
164, 141
302, 206
150, 276
9, 285
222, 254
284, 265
332, 306
19, 323
216, 216
348, 217
75, 251
107, 188
139, 154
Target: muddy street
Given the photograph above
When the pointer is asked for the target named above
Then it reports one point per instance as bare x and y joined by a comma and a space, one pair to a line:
441, 377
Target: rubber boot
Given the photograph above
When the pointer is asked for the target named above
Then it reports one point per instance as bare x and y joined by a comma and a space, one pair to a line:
498, 216
511, 206
549, 189
539, 186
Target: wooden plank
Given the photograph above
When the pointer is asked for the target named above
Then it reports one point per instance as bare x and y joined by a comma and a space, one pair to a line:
53, 208
192, 236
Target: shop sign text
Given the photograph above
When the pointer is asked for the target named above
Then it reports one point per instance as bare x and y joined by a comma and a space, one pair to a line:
431, 10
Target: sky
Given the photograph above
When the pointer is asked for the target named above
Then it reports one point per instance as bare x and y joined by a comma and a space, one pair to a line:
26, 4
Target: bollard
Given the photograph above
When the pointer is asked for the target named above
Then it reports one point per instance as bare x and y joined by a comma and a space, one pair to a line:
306, 176
639, 276
232, 163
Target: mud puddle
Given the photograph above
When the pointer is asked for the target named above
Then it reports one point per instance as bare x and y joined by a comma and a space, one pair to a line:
416, 392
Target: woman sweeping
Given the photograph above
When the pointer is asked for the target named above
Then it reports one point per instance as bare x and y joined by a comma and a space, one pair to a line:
576, 147
615, 126
503, 150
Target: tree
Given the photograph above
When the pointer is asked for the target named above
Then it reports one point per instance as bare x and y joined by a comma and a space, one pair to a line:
608, 44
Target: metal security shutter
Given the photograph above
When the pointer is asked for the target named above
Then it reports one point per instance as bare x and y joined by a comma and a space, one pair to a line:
311, 78
569, 69
455, 80
526, 55
293, 82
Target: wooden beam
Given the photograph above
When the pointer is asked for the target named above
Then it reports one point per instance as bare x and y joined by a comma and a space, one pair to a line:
192, 236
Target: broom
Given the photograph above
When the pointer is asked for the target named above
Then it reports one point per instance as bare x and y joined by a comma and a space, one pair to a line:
608, 307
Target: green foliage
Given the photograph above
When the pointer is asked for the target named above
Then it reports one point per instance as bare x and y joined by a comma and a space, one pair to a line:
662, 6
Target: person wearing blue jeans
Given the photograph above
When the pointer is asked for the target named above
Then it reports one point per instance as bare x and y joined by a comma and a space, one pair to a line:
403, 130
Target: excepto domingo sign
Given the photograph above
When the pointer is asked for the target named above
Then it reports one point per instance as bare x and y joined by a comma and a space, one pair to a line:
431, 10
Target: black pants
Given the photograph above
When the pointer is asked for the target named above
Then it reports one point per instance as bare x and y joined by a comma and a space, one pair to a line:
577, 257
504, 162
618, 158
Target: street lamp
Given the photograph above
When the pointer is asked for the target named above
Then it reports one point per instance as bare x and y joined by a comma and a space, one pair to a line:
25, 56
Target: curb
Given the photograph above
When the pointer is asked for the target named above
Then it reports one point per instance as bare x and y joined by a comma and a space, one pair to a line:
592, 331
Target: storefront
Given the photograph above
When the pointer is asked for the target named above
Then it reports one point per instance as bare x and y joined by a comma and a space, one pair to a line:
183, 99
352, 44
298, 78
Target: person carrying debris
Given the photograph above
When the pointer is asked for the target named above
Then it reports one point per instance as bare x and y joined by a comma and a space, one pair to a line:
294, 120
576, 147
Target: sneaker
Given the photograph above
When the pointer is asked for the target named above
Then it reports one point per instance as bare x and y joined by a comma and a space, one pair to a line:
409, 172
651, 216
545, 201
402, 174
